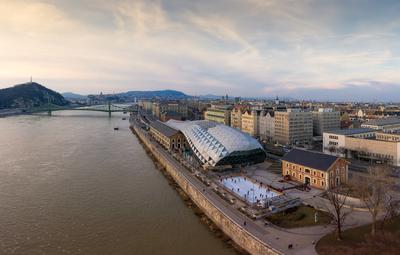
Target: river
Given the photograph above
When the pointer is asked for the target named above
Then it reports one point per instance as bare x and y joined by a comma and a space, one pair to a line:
71, 184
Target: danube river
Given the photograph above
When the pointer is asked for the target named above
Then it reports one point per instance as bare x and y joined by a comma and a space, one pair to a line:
70, 184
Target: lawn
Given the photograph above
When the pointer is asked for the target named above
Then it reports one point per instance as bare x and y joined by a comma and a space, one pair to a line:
302, 216
359, 241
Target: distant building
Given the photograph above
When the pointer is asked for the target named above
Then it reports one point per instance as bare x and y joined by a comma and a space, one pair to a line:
293, 126
146, 105
170, 115
325, 119
316, 169
236, 115
171, 107
250, 122
385, 124
364, 144
267, 125
219, 113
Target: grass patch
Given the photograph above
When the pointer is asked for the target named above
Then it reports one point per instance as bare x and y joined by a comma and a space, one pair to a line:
301, 216
359, 241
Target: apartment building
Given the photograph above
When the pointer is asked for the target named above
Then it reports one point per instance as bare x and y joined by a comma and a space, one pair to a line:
172, 108
319, 170
236, 115
250, 122
293, 126
146, 105
219, 113
325, 119
267, 125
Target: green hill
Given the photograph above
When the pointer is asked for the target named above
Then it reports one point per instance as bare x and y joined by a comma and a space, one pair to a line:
29, 94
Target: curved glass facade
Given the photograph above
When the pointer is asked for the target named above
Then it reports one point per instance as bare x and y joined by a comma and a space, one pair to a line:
217, 144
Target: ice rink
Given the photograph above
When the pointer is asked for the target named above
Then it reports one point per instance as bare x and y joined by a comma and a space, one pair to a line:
247, 189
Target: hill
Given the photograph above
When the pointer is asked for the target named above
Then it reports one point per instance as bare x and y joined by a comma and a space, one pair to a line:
166, 94
29, 94
70, 95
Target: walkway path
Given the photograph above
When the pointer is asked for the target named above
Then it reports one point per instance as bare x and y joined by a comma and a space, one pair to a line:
302, 239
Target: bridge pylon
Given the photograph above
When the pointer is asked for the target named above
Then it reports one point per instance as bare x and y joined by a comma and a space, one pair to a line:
48, 105
109, 109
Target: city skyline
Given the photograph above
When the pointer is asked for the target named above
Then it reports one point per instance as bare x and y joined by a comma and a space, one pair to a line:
330, 50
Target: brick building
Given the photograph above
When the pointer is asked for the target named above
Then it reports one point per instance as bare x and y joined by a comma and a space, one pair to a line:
170, 138
319, 170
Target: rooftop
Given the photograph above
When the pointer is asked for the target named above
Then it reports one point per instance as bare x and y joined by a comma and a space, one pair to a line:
212, 142
164, 129
310, 159
383, 121
351, 131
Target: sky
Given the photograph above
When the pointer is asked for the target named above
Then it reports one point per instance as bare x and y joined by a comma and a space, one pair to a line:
338, 50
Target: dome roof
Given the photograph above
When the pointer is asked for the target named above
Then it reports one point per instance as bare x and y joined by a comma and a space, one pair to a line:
212, 142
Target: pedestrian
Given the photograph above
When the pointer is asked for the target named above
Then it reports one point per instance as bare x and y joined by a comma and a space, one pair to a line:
244, 223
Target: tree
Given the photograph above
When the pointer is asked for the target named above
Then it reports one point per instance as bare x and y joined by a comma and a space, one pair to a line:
331, 149
337, 198
374, 191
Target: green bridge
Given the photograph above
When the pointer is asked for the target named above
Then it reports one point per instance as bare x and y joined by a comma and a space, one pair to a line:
108, 108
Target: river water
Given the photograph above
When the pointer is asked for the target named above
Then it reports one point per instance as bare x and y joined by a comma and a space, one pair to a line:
70, 184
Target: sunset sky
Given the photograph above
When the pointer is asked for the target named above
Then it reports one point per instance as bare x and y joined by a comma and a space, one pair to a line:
311, 49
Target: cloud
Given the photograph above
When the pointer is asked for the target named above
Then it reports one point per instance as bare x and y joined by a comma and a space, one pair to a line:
237, 47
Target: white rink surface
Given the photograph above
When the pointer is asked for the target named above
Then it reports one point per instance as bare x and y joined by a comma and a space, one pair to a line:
248, 190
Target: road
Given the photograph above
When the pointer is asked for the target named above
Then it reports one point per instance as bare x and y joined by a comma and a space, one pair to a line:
302, 239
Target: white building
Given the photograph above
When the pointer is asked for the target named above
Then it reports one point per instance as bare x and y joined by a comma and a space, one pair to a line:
364, 144
385, 124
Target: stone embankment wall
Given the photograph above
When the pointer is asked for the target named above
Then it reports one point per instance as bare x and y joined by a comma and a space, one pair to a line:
236, 232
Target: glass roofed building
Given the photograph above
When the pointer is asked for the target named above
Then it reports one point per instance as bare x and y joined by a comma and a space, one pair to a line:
216, 144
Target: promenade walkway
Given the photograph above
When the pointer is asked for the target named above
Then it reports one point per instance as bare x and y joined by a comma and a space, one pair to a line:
302, 239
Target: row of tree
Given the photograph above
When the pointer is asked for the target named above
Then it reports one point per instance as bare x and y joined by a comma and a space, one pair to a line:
375, 190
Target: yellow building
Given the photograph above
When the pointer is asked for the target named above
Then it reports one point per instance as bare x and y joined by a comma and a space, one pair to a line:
170, 138
219, 113
236, 115
250, 122
319, 170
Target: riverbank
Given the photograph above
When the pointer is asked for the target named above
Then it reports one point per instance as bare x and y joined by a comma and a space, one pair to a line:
10, 112
190, 204
216, 209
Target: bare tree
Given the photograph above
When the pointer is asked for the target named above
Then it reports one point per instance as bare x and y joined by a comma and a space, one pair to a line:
392, 209
374, 191
337, 199
331, 149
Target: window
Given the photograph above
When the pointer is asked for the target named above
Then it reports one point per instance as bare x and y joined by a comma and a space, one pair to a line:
322, 183
307, 170
322, 175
